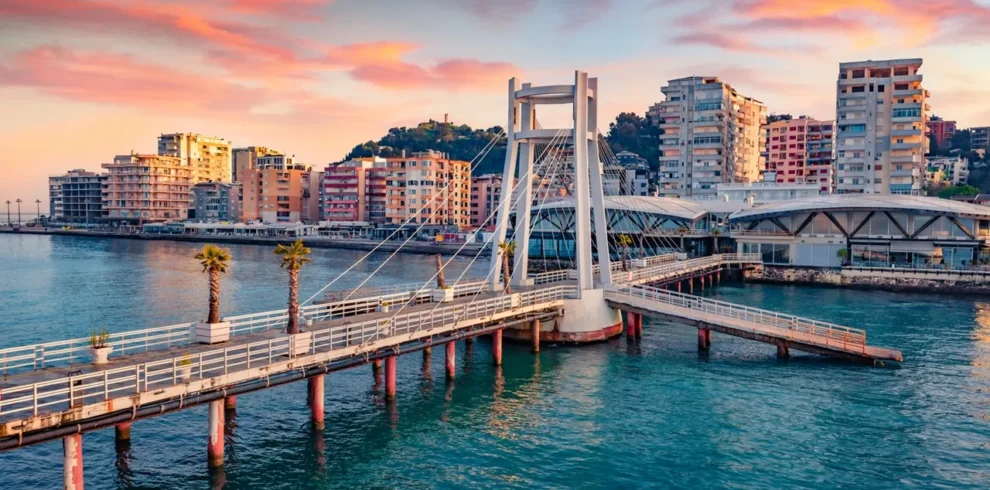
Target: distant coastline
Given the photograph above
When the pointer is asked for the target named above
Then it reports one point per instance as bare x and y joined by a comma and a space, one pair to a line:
413, 247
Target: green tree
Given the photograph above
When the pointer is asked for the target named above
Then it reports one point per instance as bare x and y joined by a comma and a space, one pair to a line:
958, 190
633, 133
293, 258
214, 261
779, 117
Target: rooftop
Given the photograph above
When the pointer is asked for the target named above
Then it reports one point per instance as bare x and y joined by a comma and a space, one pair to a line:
865, 202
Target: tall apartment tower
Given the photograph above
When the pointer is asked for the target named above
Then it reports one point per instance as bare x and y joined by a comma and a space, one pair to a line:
881, 115
142, 188
712, 135
209, 158
800, 151
430, 188
76, 196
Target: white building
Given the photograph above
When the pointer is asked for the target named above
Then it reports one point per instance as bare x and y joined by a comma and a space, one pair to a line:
762, 192
955, 169
881, 116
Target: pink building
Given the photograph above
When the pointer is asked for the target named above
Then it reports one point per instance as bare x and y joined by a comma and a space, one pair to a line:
345, 190
486, 190
799, 151
942, 131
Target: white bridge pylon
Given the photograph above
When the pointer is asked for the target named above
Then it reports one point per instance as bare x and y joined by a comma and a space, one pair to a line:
523, 136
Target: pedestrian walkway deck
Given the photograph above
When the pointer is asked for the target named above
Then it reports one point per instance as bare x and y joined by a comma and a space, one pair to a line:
785, 331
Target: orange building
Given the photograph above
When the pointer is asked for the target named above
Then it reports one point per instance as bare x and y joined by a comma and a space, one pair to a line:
142, 188
345, 189
428, 188
285, 194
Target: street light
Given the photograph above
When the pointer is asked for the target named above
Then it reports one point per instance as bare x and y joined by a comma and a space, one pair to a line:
37, 217
18, 211
8, 212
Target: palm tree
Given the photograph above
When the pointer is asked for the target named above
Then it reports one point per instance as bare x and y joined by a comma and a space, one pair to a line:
293, 258
441, 282
506, 249
214, 260
625, 241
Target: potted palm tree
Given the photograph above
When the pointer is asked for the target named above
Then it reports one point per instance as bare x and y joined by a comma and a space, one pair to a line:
505, 249
625, 241
293, 258
99, 345
214, 261
185, 368
443, 293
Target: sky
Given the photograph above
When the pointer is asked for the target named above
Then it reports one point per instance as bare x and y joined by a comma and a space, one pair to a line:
84, 80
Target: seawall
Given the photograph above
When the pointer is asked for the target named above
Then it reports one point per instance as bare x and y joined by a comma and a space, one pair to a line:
892, 279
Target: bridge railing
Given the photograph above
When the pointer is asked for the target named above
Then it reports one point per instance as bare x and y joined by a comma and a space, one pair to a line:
831, 333
664, 269
97, 387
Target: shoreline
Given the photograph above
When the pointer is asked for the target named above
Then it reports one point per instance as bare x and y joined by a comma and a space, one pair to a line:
412, 247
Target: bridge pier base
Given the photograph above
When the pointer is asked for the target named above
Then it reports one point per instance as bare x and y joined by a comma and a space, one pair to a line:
72, 472
122, 431
214, 443
497, 347
390, 377
316, 400
704, 338
639, 326
536, 335
451, 359
230, 402
783, 351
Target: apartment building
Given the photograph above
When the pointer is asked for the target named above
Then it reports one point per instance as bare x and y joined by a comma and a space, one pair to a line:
800, 151
980, 138
430, 188
282, 195
941, 131
247, 159
345, 190
881, 116
208, 157
218, 201
76, 196
145, 188
954, 169
711, 134
486, 191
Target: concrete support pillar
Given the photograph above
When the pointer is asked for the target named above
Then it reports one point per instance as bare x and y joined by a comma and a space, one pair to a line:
497, 347
704, 338
122, 431
72, 470
390, 377
702, 282
678, 286
718, 276
783, 351
316, 400
214, 444
230, 402
536, 335
639, 326
451, 359
376, 367
468, 342
426, 353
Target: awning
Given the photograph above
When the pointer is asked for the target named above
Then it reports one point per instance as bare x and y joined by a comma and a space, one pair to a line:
912, 246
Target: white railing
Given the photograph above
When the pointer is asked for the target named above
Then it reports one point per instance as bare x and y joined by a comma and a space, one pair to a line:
98, 387
672, 268
828, 334
663, 259
551, 276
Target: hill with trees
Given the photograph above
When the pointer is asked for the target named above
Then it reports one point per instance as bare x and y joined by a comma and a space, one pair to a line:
460, 142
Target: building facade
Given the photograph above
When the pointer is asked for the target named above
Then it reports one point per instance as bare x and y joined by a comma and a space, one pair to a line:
954, 169
208, 157
980, 138
428, 188
76, 196
711, 135
144, 188
247, 159
941, 131
881, 116
800, 151
217, 201
345, 190
289, 195
486, 191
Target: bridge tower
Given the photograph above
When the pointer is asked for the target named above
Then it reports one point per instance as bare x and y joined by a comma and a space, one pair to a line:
591, 316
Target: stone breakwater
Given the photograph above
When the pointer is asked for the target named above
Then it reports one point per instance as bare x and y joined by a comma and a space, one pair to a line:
917, 280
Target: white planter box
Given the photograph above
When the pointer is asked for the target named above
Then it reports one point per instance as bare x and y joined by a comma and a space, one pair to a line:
639, 263
514, 300
443, 295
300, 343
185, 372
101, 354
212, 333
384, 308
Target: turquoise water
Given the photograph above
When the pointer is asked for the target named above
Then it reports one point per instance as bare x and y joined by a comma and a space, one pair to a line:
654, 414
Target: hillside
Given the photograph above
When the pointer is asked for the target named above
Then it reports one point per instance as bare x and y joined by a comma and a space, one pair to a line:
459, 141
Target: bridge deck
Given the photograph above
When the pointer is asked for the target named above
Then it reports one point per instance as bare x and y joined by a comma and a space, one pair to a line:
752, 323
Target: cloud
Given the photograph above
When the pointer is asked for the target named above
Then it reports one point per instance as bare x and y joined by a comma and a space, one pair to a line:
294, 9
575, 13
454, 74
727, 42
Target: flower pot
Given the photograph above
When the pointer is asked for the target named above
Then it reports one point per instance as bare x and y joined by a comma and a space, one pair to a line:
384, 308
639, 263
212, 333
100, 354
445, 295
185, 372
299, 344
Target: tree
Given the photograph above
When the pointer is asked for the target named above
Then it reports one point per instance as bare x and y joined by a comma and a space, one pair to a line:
214, 261
625, 241
441, 282
505, 249
772, 118
958, 190
293, 258
635, 134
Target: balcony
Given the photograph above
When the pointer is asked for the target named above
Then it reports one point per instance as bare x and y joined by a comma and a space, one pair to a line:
907, 78
905, 146
904, 172
908, 93
905, 132
905, 159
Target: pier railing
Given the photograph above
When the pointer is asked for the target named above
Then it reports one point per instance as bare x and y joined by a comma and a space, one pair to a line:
666, 269
830, 333
357, 338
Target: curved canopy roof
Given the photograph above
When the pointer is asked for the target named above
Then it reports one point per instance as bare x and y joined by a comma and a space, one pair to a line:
679, 209
864, 202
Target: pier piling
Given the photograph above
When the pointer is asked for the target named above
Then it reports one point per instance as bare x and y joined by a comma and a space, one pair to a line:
639, 325
451, 359
630, 325
390, 377
497, 347
704, 338
214, 444
536, 335
72, 472
783, 351
230, 402
316, 400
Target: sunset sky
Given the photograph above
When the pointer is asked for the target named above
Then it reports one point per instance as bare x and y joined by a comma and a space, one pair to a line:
82, 81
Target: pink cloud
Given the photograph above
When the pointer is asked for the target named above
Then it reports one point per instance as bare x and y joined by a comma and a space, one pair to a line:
455, 74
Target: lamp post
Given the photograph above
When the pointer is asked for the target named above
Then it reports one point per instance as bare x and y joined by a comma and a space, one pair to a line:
37, 217
8, 211
18, 211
